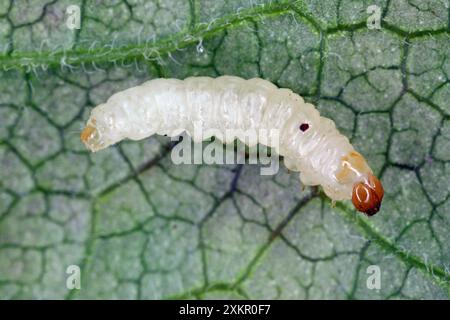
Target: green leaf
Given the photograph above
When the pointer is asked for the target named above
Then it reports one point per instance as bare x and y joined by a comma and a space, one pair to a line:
140, 227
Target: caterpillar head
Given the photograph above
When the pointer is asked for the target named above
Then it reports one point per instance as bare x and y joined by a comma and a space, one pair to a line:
367, 191
367, 195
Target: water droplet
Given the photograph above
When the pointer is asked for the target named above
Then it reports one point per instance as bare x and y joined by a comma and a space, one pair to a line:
200, 48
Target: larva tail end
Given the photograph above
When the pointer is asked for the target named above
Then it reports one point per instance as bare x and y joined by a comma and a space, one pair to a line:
367, 195
90, 137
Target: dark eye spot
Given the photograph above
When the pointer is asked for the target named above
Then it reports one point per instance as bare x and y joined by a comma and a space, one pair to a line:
304, 127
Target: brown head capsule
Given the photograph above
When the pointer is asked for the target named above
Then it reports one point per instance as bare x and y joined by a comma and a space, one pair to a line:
367, 195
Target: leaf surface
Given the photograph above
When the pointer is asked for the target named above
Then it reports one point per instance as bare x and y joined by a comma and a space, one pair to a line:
140, 227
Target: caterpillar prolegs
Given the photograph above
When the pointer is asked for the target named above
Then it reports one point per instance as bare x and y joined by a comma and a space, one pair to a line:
308, 142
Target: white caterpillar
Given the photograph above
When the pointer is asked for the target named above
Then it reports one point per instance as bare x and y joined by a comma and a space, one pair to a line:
309, 143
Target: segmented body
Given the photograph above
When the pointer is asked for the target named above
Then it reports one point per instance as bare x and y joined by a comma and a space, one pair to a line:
308, 142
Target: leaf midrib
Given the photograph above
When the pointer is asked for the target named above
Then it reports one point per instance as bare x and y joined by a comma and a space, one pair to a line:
191, 35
